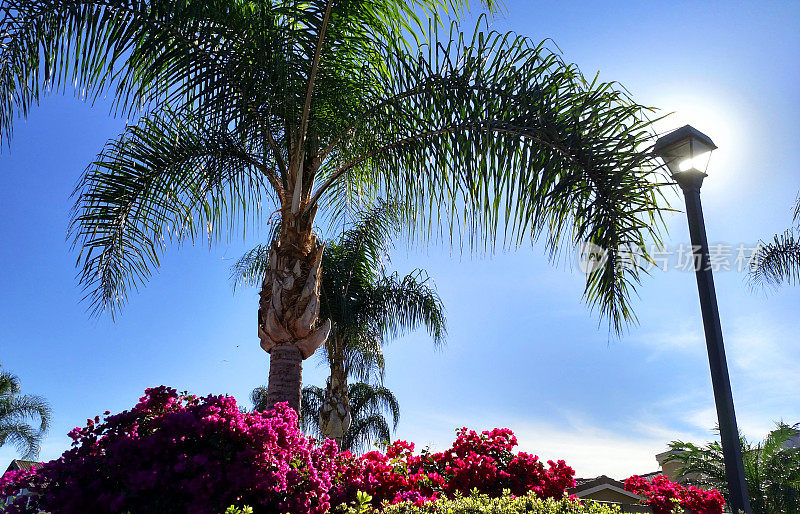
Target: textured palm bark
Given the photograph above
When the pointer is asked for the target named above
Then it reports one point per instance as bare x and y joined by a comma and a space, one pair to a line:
285, 372
334, 413
288, 312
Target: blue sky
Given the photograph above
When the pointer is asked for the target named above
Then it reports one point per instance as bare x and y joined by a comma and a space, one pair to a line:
523, 350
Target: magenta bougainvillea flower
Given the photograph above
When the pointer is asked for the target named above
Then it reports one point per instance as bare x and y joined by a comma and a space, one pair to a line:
663, 495
175, 453
482, 461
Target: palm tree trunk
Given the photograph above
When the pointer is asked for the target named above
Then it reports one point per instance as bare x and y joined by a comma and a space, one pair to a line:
288, 310
334, 413
285, 376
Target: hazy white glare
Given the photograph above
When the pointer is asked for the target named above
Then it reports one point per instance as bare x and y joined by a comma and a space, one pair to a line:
699, 162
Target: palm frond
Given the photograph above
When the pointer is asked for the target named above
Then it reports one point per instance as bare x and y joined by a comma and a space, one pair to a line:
365, 243
776, 440
26, 407
475, 133
368, 404
704, 464
170, 177
17, 411
363, 356
249, 270
772, 469
22, 436
373, 399
778, 261
796, 214
258, 397
9, 383
492, 134
363, 431
143, 52
398, 305
359, 298
309, 410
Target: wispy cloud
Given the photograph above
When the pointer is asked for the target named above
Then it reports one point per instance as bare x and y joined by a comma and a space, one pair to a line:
764, 364
590, 446
704, 418
592, 450
761, 359
767, 353
684, 337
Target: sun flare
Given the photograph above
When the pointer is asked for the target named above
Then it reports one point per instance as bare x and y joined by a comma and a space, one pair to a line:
722, 122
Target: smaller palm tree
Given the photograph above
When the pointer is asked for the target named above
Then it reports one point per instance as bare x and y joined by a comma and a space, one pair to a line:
771, 468
17, 412
778, 261
369, 405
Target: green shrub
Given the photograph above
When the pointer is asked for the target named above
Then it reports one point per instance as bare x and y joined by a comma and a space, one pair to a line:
233, 509
482, 504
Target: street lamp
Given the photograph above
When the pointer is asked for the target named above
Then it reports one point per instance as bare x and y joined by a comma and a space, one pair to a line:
686, 152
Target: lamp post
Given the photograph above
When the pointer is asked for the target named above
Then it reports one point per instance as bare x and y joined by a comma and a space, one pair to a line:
686, 152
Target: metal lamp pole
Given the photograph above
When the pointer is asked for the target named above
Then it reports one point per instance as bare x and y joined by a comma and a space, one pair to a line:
690, 182
686, 152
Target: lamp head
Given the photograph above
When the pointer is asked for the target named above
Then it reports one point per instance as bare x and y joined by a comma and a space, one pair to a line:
685, 150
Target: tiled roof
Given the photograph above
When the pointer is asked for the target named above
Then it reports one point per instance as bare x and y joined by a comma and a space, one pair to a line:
18, 464
603, 479
587, 483
580, 481
589, 487
650, 476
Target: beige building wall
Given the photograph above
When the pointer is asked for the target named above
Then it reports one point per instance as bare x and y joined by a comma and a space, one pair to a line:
671, 469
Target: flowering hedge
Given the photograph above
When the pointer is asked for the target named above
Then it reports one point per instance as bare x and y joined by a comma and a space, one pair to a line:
663, 495
484, 462
175, 453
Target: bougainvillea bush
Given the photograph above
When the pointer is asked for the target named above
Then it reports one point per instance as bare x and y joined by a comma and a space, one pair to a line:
482, 462
177, 453
663, 495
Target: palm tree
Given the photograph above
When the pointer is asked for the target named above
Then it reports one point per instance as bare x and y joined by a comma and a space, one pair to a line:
308, 107
365, 305
771, 467
368, 403
778, 261
17, 411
